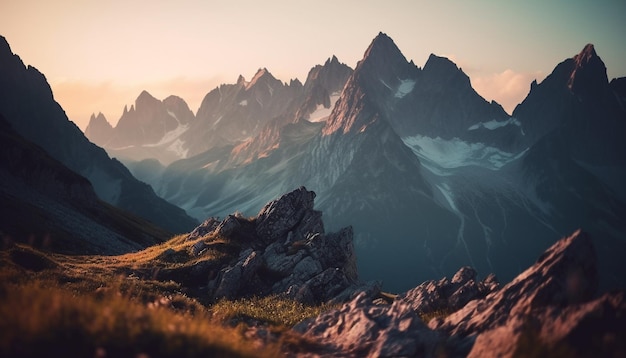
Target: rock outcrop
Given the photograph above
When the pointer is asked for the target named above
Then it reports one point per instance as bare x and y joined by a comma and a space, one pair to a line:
449, 295
548, 310
283, 250
565, 274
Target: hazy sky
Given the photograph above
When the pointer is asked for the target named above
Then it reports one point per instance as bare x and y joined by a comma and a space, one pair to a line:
99, 55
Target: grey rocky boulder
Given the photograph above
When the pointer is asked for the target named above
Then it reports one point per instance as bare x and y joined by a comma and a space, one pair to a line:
285, 251
447, 296
280, 216
362, 329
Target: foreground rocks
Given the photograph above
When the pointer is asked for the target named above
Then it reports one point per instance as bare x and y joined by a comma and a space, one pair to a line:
548, 310
284, 250
552, 309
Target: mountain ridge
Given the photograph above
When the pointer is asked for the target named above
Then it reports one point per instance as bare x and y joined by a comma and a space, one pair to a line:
27, 102
457, 174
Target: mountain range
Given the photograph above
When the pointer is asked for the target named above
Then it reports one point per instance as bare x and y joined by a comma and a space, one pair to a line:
35, 120
430, 175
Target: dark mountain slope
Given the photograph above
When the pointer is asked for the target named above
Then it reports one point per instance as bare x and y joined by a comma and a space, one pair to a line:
46, 204
26, 101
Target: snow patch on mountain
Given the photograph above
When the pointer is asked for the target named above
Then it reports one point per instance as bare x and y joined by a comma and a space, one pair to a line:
170, 136
173, 115
220, 118
385, 84
494, 124
405, 87
242, 103
321, 113
439, 154
177, 147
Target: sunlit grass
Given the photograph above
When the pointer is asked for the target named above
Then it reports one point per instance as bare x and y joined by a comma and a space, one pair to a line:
136, 303
38, 320
85, 306
273, 310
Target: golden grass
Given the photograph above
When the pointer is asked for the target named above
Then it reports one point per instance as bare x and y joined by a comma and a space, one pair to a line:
38, 320
273, 310
82, 306
61, 305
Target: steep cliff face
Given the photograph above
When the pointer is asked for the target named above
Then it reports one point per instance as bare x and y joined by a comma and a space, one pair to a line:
51, 207
26, 101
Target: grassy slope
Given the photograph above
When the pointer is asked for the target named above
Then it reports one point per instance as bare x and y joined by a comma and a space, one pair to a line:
132, 304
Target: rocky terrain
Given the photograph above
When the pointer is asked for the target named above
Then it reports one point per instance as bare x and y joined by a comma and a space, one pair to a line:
437, 181
552, 309
283, 250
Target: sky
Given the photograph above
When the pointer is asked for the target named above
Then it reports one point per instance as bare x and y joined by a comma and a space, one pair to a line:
99, 55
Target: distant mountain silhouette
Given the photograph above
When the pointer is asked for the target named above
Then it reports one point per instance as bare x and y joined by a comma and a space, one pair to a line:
27, 103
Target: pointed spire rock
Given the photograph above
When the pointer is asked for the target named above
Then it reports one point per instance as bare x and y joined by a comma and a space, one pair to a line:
332, 60
99, 130
589, 74
145, 99
241, 80
295, 83
383, 48
263, 75
383, 61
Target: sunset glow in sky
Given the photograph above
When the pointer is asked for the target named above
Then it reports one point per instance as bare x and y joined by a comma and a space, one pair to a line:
99, 55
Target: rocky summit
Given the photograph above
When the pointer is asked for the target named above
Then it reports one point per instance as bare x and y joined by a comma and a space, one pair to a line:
549, 310
283, 250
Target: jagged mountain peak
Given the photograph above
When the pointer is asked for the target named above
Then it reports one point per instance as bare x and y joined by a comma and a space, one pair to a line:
383, 49
332, 60
587, 54
98, 118
443, 69
441, 63
99, 130
145, 98
589, 72
295, 83
261, 75
241, 80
